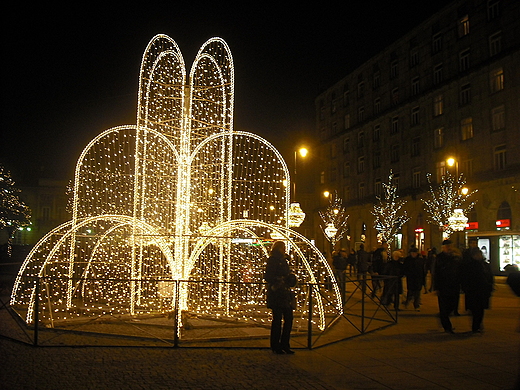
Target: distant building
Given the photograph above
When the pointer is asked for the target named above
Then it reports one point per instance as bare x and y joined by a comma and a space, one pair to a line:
48, 204
448, 88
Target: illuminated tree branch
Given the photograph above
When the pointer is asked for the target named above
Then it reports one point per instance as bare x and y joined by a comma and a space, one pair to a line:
447, 196
389, 217
334, 219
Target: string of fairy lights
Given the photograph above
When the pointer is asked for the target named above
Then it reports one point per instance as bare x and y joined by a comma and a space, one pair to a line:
178, 201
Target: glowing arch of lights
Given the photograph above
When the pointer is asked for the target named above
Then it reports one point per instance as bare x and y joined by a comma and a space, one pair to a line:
171, 198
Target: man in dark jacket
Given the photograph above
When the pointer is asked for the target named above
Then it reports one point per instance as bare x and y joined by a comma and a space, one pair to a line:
413, 269
379, 257
447, 283
477, 283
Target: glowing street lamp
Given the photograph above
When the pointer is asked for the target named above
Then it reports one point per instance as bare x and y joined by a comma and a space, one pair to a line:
453, 163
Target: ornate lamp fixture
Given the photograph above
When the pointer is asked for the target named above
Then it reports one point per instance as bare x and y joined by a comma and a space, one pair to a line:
458, 220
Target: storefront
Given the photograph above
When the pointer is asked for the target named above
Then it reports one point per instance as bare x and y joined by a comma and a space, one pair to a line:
501, 247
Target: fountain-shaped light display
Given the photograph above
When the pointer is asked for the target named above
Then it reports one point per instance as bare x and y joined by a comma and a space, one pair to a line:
180, 196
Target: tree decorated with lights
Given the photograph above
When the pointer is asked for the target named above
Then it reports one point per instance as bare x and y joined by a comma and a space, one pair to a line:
389, 216
335, 219
446, 197
14, 213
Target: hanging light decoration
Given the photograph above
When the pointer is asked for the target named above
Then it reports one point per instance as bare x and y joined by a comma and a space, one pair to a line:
458, 220
296, 215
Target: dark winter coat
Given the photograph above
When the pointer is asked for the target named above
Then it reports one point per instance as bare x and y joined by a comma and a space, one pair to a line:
447, 274
394, 268
477, 283
413, 269
364, 261
279, 294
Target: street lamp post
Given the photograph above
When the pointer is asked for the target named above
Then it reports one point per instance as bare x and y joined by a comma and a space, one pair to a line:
303, 153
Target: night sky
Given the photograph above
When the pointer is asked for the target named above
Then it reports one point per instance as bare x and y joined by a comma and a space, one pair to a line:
70, 73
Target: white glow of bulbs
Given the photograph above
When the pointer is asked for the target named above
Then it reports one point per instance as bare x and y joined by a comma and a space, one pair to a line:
176, 200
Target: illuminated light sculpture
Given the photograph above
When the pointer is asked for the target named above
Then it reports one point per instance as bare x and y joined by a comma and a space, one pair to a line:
296, 215
457, 220
169, 200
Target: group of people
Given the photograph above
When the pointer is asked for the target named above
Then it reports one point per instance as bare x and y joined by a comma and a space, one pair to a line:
451, 271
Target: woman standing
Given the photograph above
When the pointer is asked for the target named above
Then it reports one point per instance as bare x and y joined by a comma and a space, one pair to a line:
280, 297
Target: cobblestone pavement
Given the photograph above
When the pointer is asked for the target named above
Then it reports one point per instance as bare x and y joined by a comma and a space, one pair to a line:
413, 354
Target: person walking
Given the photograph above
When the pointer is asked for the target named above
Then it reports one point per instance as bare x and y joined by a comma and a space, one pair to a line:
339, 261
280, 298
378, 263
447, 283
413, 269
393, 286
477, 282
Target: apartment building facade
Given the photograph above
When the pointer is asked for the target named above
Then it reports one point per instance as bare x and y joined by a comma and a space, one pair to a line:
448, 88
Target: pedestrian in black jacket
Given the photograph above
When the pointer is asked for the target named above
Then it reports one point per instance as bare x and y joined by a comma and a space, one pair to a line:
447, 283
280, 298
413, 269
477, 283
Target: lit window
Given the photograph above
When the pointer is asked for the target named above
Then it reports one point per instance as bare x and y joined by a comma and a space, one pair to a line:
498, 118
466, 128
497, 80
464, 26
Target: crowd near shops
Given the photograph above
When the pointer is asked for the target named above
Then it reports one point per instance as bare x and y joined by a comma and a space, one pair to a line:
449, 272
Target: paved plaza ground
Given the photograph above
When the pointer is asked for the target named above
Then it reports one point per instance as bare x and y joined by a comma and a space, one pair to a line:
413, 354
